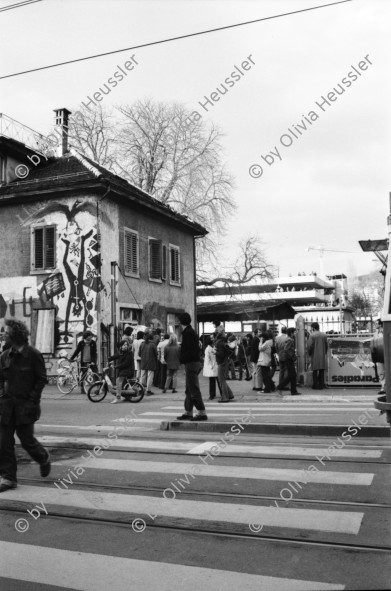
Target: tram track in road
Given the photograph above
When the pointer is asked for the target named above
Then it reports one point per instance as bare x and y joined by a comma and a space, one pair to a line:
309, 457
215, 494
127, 523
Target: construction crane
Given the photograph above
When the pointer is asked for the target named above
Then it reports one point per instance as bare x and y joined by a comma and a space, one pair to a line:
322, 250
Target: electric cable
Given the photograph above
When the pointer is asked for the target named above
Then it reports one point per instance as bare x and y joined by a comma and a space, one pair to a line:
81, 59
12, 6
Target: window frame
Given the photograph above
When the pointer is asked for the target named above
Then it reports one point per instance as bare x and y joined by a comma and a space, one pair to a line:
129, 273
45, 268
151, 239
175, 248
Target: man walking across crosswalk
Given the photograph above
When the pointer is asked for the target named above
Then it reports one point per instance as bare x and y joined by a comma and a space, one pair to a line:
190, 357
22, 379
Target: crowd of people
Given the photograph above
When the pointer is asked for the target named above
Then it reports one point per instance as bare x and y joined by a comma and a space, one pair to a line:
154, 358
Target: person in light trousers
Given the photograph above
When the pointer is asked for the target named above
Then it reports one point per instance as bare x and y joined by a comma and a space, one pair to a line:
148, 354
210, 367
136, 353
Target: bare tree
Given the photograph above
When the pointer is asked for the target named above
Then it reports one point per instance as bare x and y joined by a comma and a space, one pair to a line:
93, 133
251, 265
163, 150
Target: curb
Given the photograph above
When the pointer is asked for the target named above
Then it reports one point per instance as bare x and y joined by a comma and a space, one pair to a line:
276, 428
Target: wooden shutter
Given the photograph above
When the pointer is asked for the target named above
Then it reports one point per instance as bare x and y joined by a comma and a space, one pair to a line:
174, 260
164, 262
50, 247
155, 259
38, 248
131, 253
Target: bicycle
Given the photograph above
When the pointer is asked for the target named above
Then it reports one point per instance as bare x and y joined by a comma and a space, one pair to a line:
69, 376
132, 390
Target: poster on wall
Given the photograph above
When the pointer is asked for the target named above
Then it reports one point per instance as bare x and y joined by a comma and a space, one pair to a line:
350, 362
44, 340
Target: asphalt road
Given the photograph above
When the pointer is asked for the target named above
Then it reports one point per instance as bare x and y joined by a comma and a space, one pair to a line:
129, 506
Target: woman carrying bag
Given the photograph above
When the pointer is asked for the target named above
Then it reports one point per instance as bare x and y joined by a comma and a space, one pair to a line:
210, 367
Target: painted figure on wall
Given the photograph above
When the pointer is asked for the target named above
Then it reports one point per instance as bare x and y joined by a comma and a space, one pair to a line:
74, 284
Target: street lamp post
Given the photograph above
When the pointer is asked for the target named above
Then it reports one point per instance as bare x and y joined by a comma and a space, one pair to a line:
384, 402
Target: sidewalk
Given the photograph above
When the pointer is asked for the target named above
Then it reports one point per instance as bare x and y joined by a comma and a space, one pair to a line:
243, 393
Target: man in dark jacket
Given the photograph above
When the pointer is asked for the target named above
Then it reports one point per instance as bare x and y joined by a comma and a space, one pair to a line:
317, 349
148, 362
190, 356
287, 358
86, 348
223, 354
22, 379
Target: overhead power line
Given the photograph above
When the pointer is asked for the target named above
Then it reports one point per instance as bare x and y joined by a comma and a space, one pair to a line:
81, 59
18, 5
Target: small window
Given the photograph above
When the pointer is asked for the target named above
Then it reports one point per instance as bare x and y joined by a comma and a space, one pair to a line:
175, 273
131, 242
43, 248
155, 259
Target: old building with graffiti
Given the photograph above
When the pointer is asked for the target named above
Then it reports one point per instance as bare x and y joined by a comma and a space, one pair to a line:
81, 248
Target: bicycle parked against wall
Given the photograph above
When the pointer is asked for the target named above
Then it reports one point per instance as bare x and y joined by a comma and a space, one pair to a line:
70, 376
132, 389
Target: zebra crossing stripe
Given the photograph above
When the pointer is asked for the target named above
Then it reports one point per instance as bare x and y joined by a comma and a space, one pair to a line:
282, 405
265, 413
282, 474
188, 446
338, 522
84, 571
131, 444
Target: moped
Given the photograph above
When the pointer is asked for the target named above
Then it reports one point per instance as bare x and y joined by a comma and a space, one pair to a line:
132, 389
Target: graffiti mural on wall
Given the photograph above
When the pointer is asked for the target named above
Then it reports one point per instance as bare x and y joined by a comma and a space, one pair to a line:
74, 285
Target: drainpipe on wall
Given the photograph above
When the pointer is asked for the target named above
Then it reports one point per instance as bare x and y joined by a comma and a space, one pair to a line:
98, 295
113, 328
195, 284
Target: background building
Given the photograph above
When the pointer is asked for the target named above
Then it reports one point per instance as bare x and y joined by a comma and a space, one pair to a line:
316, 299
82, 248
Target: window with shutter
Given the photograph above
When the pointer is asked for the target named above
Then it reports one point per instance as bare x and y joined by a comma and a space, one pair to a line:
43, 248
155, 259
131, 253
175, 275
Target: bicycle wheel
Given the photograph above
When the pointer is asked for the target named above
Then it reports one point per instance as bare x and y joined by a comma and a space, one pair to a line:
66, 382
133, 391
97, 392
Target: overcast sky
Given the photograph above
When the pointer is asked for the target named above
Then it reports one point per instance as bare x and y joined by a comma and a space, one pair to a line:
332, 183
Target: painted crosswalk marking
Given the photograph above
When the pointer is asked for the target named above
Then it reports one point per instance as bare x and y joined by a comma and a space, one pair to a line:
339, 522
283, 406
237, 414
190, 448
84, 571
282, 474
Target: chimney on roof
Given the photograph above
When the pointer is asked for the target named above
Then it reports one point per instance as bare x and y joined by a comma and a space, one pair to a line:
62, 125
